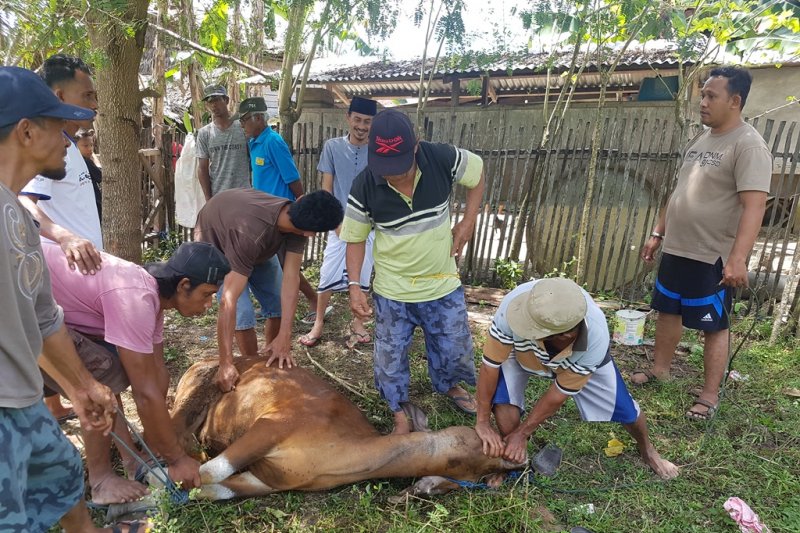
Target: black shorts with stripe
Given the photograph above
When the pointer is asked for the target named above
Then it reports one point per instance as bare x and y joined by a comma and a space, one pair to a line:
691, 289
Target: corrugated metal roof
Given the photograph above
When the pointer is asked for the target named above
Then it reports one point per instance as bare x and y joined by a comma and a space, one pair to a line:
532, 63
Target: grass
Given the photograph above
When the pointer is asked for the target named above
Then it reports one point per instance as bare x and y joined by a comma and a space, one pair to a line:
751, 450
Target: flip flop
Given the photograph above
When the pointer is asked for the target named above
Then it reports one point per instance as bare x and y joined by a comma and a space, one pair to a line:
67, 417
309, 341
311, 317
357, 338
547, 461
697, 416
133, 527
460, 403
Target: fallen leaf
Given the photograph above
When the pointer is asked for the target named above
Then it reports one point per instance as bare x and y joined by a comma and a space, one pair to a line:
793, 392
614, 448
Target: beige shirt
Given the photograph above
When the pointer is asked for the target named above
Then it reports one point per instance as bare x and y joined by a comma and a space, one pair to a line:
704, 210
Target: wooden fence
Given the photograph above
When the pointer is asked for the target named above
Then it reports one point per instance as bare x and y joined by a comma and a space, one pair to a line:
534, 197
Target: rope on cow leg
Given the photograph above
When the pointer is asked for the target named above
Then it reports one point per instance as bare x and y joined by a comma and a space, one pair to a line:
337, 379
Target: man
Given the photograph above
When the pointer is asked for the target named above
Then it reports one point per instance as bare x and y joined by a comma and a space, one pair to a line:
223, 163
116, 319
274, 173
405, 194
250, 226
66, 210
84, 140
552, 328
41, 471
708, 229
343, 158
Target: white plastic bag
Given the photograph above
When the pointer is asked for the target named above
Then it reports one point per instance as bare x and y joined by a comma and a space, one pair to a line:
189, 197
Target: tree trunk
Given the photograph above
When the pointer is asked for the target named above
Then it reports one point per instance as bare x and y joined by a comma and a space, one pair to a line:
298, 12
118, 92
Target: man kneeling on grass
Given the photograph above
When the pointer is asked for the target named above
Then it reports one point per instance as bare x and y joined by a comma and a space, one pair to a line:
552, 328
116, 319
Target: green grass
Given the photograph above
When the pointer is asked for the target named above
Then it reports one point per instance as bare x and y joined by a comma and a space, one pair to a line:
751, 450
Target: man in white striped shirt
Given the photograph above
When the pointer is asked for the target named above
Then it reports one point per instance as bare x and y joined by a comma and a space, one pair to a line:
552, 328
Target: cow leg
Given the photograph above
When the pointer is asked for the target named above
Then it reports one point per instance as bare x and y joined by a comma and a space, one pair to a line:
250, 447
244, 485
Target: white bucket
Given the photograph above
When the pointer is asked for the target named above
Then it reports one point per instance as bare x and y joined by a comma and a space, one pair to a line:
629, 327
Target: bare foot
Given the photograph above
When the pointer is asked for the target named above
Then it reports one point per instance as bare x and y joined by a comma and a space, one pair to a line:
115, 489
640, 377
663, 468
125, 527
401, 424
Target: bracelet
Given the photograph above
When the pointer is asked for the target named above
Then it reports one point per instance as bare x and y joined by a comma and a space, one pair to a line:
349, 283
657, 235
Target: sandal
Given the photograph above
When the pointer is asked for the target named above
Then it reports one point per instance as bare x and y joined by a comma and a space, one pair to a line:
309, 341
357, 338
703, 416
651, 378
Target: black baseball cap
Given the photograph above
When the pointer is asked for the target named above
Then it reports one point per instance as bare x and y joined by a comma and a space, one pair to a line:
255, 104
23, 94
198, 261
214, 90
391, 143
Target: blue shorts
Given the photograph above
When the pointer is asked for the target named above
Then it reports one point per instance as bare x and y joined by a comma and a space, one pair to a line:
691, 289
448, 344
265, 283
40, 470
604, 398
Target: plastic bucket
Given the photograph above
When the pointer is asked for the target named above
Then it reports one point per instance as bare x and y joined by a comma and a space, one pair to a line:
629, 327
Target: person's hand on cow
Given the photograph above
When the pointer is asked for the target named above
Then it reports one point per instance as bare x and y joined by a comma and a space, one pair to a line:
226, 377
493, 445
358, 303
280, 350
516, 449
186, 472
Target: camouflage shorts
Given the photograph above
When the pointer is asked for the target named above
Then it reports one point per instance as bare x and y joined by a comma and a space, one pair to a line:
41, 471
448, 344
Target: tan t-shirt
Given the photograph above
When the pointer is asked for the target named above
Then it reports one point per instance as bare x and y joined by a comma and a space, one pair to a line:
704, 210
243, 223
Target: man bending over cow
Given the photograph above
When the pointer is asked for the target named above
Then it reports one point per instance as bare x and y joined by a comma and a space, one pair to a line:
250, 227
552, 328
117, 321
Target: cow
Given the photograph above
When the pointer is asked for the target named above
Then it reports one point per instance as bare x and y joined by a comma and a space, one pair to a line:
288, 429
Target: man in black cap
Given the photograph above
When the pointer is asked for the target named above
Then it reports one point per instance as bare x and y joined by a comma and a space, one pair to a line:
405, 194
41, 469
342, 159
222, 160
116, 319
223, 163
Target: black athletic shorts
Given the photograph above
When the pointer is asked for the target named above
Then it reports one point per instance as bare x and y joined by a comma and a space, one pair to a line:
691, 289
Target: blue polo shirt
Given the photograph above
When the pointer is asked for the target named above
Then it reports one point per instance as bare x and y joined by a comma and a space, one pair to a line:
272, 164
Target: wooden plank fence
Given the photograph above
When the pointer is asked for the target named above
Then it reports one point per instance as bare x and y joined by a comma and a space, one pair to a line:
534, 197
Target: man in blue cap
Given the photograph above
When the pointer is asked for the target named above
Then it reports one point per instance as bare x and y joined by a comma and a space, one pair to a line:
405, 194
41, 469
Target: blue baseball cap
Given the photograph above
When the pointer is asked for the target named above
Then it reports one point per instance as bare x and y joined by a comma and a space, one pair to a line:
23, 94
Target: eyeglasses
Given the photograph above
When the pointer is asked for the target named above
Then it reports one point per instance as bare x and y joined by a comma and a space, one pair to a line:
244, 118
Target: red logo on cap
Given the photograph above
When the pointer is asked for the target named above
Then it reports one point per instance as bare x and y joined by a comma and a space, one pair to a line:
386, 146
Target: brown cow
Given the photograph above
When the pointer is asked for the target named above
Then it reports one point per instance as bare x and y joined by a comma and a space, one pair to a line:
287, 429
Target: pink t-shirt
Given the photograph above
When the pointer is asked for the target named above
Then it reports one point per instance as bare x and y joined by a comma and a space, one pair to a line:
119, 303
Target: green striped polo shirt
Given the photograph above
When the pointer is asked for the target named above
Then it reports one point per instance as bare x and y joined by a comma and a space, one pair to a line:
413, 241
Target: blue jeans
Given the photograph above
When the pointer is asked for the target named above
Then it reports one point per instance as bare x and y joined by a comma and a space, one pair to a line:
265, 283
448, 344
